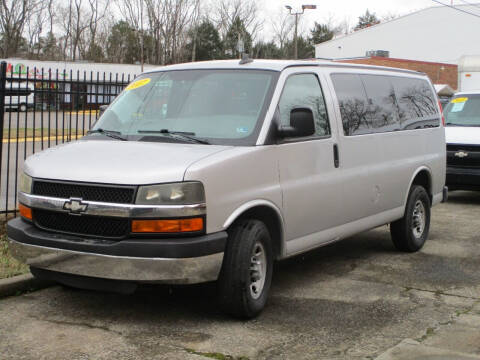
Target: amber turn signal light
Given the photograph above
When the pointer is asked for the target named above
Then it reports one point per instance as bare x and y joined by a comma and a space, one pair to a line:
167, 226
25, 211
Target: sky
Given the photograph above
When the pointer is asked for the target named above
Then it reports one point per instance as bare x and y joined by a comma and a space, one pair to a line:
341, 10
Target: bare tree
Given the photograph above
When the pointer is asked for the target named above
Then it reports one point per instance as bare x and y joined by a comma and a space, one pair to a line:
227, 11
13, 18
169, 21
282, 25
98, 11
134, 12
34, 27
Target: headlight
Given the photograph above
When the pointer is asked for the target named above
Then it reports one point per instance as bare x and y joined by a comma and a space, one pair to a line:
183, 193
25, 184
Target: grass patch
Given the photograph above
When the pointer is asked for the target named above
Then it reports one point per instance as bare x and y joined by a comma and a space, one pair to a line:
8, 265
37, 132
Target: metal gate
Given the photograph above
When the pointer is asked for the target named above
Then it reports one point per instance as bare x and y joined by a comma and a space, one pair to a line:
43, 108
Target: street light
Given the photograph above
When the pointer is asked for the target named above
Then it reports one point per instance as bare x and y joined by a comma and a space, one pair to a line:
304, 7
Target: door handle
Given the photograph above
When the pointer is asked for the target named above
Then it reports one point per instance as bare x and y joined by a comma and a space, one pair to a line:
336, 158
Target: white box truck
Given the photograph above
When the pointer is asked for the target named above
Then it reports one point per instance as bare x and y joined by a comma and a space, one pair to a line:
469, 73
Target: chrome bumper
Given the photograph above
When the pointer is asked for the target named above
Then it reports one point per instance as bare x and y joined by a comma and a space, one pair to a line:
158, 270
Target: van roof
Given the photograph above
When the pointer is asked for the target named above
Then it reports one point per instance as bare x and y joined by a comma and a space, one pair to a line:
273, 65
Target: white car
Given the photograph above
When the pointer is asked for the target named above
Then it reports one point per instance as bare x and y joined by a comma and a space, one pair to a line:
214, 170
19, 96
462, 131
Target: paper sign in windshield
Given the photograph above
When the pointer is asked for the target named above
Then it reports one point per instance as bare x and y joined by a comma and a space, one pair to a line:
137, 84
457, 107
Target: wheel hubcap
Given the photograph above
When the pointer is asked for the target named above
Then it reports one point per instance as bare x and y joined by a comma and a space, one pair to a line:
418, 223
258, 270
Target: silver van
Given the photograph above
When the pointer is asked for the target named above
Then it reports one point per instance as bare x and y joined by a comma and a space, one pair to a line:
212, 171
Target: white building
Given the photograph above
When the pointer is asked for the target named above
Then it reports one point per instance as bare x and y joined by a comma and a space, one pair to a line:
436, 34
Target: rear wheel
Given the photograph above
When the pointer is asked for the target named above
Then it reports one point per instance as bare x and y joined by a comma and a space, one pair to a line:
22, 108
410, 232
247, 268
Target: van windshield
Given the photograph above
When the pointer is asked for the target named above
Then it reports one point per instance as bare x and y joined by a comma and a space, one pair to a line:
463, 110
215, 106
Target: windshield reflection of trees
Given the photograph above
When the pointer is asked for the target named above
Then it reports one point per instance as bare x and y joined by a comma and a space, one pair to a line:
411, 108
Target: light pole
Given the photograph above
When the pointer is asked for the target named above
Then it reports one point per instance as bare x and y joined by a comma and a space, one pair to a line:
304, 7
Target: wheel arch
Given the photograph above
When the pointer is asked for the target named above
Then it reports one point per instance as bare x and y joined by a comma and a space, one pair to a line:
269, 214
423, 177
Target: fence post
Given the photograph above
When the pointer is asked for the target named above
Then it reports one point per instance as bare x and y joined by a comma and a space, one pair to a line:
3, 80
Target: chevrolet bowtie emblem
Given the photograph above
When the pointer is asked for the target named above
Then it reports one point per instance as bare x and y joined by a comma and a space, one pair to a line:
75, 206
461, 154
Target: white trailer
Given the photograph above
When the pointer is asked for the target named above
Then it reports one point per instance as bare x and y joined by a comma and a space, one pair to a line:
469, 73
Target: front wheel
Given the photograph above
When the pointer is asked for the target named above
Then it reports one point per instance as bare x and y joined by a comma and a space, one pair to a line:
247, 268
410, 232
23, 108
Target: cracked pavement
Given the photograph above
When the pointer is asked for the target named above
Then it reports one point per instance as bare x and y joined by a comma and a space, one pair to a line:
356, 299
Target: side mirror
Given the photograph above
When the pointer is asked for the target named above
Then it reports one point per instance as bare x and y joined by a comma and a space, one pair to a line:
302, 124
102, 109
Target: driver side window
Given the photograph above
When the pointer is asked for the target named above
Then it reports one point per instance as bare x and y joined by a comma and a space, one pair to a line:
304, 91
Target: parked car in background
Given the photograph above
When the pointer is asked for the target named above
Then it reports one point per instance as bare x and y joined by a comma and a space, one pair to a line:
214, 170
19, 96
462, 121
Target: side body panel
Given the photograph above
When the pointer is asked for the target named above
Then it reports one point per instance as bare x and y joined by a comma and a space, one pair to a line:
236, 177
312, 196
378, 169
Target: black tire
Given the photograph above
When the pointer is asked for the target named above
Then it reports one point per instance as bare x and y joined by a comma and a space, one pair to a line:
408, 234
236, 286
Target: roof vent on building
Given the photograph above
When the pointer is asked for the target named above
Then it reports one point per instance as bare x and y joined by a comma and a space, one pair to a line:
379, 53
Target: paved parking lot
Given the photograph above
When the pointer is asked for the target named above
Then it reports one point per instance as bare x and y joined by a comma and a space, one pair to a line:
355, 299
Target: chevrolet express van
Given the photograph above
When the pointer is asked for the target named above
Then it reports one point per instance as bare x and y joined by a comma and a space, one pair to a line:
462, 131
214, 170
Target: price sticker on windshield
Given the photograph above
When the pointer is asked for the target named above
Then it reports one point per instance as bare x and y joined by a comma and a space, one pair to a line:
137, 84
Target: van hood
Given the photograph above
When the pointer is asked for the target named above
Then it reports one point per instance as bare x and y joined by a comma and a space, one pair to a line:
117, 162
464, 135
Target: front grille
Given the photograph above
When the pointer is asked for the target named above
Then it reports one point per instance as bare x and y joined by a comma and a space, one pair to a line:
469, 159
81, 225
120, 195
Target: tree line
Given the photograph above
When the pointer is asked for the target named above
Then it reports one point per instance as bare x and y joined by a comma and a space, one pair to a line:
153, 31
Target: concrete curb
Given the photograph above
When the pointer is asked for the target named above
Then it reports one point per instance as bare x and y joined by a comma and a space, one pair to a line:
21, 283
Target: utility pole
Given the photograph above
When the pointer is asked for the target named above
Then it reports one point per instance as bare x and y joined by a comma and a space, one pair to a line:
297, 14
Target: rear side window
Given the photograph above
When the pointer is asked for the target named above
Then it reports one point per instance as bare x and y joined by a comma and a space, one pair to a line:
417, 105
381, 115
377, 103
353, 103
303, 90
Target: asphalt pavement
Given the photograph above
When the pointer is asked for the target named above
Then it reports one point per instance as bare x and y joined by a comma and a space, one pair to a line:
356, 299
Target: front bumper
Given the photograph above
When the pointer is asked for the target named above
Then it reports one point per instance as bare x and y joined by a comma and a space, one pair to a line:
463, 178
174, 261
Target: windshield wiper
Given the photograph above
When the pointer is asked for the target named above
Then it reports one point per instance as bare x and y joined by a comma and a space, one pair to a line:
182, 134
455, 124
109, 133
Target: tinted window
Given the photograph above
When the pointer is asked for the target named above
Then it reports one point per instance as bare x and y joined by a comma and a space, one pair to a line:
376, 103
382, 113
417, 105
304, 90
353, 103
